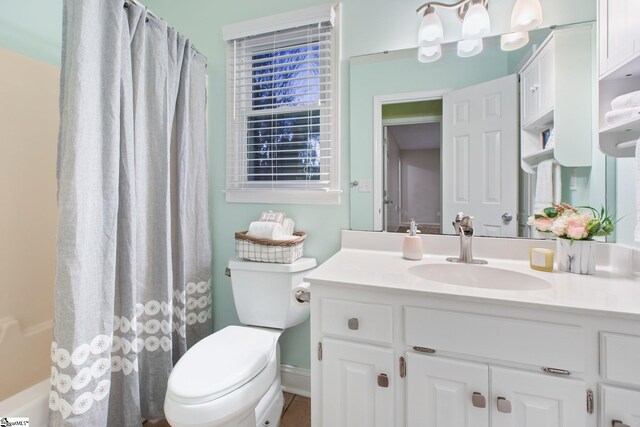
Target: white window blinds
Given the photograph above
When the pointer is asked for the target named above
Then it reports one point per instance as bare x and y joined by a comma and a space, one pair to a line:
281, 131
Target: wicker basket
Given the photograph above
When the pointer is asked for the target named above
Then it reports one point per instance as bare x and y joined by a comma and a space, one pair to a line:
266, 250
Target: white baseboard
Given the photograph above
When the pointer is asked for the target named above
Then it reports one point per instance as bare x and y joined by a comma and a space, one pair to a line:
296, 380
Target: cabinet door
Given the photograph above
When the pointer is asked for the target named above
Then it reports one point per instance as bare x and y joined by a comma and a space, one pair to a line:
547, 86
618, 32
524, 399
620, 405
354, 393
529, 93
440, 392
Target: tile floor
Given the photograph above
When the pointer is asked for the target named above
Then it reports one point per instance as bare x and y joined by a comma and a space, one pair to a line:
296, 413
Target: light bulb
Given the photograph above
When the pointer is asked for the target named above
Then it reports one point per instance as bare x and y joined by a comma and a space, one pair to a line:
429, 53
513, 41
467, 48
431, 32
476, 22
526, 15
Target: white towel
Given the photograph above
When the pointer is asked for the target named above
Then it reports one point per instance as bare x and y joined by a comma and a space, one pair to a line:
544, 186
636, 235
557, 182
271, 216
626, 101
621, 116
266, 230
288, 226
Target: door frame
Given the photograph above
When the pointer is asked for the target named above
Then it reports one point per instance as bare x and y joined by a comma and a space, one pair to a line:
378, 102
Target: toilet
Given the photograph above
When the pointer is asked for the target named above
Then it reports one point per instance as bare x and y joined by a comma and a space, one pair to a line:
232, 377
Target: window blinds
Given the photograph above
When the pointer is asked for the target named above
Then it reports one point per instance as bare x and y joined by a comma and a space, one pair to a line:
281, 110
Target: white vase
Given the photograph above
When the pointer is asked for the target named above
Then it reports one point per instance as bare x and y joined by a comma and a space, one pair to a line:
577, 256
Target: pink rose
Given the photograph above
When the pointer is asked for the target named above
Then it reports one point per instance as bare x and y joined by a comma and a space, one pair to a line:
577, 227
543, 223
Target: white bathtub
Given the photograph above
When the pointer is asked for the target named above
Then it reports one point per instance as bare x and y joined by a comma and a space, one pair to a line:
32, 402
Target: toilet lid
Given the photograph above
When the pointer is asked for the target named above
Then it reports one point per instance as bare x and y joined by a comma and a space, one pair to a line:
220, 363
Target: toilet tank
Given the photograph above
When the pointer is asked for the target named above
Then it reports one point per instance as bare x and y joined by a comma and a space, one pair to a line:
263, 292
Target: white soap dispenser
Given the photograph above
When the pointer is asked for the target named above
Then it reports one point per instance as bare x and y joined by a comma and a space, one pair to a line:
412, 247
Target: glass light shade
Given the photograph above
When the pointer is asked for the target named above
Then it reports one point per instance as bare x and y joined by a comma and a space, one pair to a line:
431, 32
526, 15
476, 22
513, 41
429, 53
467, 48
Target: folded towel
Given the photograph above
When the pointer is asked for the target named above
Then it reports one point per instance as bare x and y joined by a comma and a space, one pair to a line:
544, 186
627, 100
621, 116
271, 216
637, 230
266, 230
288, 226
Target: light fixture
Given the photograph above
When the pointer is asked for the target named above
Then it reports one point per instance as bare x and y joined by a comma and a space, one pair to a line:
431, 32
468, 48
513, 41
476, 21
428, 54
526, 15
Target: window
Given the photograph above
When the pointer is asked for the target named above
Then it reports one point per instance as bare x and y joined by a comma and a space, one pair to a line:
282, 144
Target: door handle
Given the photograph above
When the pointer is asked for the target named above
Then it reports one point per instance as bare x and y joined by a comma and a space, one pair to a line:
507, 217
618, 423
383, 380
504, 405
353, 324
478, 400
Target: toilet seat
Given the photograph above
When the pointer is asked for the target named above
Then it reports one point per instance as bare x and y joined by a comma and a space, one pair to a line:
220, 364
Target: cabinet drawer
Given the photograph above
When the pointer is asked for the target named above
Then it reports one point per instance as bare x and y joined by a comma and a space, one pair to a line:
370, 322
619, 405
497, 338
620, 358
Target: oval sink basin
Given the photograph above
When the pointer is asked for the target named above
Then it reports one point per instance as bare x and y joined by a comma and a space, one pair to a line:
479, 276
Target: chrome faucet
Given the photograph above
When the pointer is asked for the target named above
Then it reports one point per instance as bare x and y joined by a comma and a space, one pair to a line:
463, 225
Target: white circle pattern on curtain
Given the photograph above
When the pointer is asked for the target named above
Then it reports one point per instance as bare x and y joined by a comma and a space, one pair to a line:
153, 318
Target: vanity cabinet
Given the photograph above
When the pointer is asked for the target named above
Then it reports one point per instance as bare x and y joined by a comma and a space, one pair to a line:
620, 407
553, 96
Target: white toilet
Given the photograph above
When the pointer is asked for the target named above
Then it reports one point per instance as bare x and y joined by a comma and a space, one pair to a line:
232, 378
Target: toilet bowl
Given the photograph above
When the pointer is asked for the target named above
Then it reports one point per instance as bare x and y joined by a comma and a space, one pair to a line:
231, 378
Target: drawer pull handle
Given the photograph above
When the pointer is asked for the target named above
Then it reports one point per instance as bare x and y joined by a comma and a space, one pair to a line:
353, 324
383, 380
424, 350
556, 371
618, 423
478, 400
504, 405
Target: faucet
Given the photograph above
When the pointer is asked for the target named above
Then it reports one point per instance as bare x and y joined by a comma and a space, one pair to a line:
463, 225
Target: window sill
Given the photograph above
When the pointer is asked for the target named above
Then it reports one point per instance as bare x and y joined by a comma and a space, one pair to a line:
302, 197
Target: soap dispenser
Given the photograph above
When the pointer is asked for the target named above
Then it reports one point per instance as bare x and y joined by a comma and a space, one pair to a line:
412, 247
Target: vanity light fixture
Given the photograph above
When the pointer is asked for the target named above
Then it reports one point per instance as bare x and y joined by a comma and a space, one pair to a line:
526, 15
513, 41
475, 25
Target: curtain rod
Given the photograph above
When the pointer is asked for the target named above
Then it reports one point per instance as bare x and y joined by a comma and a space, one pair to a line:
137, 3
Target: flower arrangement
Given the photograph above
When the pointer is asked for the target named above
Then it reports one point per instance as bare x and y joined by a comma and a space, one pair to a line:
573, 223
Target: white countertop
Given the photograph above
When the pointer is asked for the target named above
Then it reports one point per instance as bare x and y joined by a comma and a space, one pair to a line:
610, 291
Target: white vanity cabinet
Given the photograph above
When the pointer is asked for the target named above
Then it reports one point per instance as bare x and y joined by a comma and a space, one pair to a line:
619, 33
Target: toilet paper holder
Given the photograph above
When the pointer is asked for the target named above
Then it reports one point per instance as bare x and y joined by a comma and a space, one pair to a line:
302, 296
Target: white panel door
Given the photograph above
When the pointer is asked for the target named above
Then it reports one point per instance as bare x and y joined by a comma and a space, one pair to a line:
480, 156
620, 405
619, 36
524, 399
351, 393
530, 90
440, 392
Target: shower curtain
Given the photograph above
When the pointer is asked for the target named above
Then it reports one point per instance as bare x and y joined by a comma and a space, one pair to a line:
133, 287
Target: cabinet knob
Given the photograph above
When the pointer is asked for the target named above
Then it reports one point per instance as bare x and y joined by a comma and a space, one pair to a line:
353, 324
383, 380
478, 400
504, 405
618, 423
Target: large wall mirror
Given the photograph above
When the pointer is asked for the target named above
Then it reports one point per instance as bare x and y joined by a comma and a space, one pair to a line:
484, 135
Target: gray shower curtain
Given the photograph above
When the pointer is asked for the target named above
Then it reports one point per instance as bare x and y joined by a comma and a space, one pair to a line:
133, 281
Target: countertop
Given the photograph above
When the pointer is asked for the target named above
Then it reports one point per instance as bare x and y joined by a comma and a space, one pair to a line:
610, 291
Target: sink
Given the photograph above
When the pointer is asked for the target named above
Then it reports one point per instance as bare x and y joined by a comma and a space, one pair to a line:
479, 276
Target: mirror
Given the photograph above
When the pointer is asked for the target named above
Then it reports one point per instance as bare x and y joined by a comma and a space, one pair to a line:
431, 139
